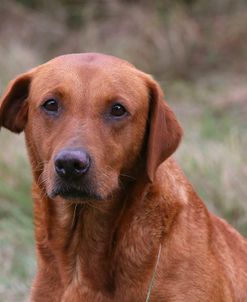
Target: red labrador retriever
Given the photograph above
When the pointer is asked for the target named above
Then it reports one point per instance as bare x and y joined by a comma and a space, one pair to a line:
115, 217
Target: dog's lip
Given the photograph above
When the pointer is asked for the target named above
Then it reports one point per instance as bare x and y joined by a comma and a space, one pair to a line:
74, 194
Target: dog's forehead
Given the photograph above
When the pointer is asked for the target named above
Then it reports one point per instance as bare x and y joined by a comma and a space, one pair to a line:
96, 72
84, 66
90, 58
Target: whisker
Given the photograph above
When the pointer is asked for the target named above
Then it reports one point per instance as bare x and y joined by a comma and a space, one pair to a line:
74, 214
128, 176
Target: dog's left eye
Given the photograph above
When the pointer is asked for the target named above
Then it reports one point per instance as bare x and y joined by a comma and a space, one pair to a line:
118, 110
51, 106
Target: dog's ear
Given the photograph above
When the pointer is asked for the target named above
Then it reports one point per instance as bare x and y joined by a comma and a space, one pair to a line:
13, 104
164, 132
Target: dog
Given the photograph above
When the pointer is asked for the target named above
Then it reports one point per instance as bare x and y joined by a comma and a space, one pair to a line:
115, 218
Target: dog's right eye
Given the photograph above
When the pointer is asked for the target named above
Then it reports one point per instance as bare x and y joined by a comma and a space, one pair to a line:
51, 106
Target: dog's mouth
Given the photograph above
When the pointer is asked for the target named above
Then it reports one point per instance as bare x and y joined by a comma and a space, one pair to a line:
74, 194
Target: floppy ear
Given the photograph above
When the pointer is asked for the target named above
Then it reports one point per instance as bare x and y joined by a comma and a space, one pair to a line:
164, 131
13, 105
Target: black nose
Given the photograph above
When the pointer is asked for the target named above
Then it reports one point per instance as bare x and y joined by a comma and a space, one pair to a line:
72, 163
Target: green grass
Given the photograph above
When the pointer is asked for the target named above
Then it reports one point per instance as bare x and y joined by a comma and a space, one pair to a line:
16, 226
212, 153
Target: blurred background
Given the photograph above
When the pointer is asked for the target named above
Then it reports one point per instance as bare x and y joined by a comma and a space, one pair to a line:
196, 49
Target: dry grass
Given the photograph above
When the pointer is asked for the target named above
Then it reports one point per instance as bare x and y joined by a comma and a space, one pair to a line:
16, 228
212, 153
196, 52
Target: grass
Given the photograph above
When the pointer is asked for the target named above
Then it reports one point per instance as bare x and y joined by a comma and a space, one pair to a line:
212, 153
16, 227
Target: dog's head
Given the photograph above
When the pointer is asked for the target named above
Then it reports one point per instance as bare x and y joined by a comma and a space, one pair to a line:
90, 120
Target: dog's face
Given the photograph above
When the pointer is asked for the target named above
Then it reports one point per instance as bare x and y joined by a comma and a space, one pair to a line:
86, 124
89, 119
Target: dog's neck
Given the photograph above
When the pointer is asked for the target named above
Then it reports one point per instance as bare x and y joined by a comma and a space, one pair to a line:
93, 236
99, 241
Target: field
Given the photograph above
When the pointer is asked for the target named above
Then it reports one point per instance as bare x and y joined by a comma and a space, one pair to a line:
201, 67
